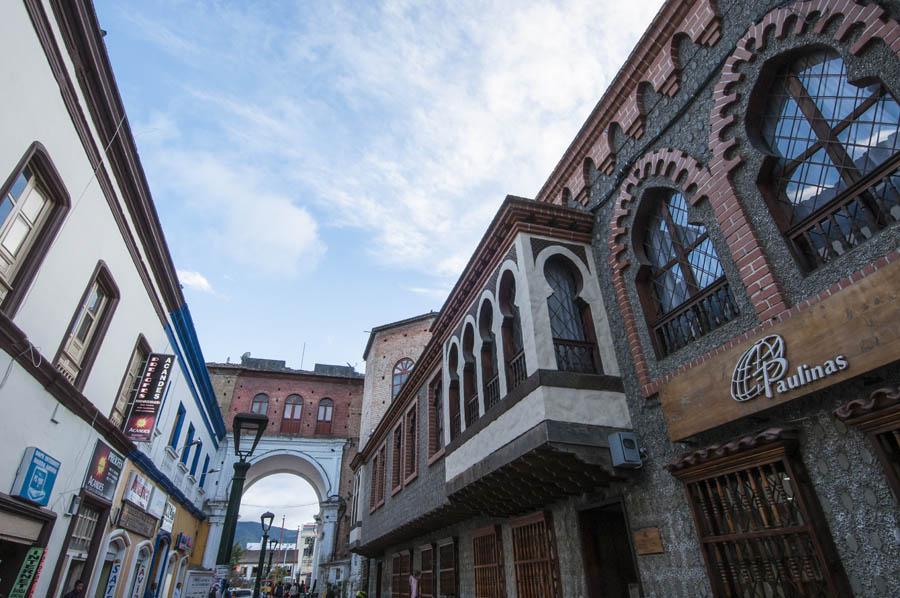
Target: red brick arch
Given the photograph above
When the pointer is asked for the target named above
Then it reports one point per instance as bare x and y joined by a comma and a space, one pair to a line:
697, 182
794, 19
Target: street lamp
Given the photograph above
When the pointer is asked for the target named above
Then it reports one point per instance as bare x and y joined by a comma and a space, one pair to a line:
248, 429
275, 544
266, 520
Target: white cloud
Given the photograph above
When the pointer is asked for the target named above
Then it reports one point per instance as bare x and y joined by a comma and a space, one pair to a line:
194, 280
407, 121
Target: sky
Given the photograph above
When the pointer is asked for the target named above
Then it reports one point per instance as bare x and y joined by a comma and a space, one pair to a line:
283, 494
321, 168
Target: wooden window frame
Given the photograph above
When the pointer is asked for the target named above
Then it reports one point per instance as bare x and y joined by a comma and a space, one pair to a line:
373, 482
142, 345
324, 426
292, 425
379, 475
549, 579
397, 458
411, 443
436, 443
102, 277
36, 158
396, 388
499, 572
759, 452
878, 418
453, 570
428, 590
400, 574
253, 403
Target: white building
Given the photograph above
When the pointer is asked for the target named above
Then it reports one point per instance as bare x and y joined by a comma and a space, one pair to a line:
88, 291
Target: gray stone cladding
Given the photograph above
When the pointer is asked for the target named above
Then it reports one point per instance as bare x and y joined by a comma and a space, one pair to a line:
860, 510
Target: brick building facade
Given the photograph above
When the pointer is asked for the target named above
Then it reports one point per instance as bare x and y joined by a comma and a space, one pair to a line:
308, 411
713, 266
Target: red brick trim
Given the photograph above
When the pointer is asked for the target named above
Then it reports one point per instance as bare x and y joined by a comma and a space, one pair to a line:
654, 63
697, 182
795, 19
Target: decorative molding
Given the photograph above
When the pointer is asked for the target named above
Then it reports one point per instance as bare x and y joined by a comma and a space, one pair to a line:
883, 398
795, 19
654, 63
735, 447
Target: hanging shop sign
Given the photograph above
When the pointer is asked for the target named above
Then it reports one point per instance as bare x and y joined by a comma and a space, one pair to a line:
846, 334
29, 570
168, 518
138, 490
184, 542
104, 471
36, 476
148, 398
137, 521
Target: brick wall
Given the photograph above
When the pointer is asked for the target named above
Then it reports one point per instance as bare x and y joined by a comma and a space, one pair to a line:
388, 347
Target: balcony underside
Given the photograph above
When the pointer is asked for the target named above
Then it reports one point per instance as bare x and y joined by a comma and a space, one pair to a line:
551, 461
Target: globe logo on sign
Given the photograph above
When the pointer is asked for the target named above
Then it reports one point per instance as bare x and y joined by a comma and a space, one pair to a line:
758, 368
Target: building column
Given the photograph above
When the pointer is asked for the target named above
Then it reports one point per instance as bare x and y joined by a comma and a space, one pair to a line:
216, 510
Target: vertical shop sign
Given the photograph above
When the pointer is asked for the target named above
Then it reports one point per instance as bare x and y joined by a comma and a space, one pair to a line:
148, 398
114, 572
31, 565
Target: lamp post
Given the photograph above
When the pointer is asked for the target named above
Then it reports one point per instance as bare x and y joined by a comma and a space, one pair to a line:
266, 520
248, 429
274, 544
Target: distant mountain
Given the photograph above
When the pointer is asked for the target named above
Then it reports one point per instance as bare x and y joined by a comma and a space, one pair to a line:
251, 531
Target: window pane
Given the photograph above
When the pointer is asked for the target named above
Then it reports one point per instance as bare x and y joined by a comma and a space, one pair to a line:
565, 316
84, 329
6, 206
33, 205
705, 264
15, 236
872, 138
825, 78
95, 299
812, 184
20, 183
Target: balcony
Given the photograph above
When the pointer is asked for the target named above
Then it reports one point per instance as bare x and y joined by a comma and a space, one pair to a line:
491, 393
516, 373
576, 356
707, 311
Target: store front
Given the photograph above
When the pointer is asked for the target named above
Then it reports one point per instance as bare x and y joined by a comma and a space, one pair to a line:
25, 524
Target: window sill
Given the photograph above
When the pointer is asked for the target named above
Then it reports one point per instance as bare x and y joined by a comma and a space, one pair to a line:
201, 491
183, 467
172, 453
436, 457
157, 432
396, 489
192, 479
411, 477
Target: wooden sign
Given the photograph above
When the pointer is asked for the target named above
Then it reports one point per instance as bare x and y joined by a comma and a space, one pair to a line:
648, 541
851, 332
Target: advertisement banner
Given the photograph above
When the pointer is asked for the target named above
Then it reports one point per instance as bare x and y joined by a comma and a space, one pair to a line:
104, 471
148, 398
27, 572
35, 477
168, 519
157, 503
138, 491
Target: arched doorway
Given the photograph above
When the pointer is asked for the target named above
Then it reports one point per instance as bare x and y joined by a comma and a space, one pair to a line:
112, 568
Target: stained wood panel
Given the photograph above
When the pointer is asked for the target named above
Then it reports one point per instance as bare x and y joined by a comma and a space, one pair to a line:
861, 322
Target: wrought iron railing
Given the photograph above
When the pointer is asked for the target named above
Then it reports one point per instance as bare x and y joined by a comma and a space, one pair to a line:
515, 370
576, 356
491, 393
471, 409
705, 312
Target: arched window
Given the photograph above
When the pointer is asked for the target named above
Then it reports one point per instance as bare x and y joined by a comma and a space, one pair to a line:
570, 319
470, 389
323, 416
260, 404
453, 392
834, 178
511, 329
685, 293
402, 370
293, 409
490, 379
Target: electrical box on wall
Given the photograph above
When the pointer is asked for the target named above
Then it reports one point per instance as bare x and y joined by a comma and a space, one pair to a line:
623, 448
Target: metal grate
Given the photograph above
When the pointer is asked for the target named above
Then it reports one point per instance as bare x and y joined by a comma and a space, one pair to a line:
471, 409
487, 546
447, 571
436, 419
83, 531
706, 312
534, 557
757, 535
838, 145
455, 423
575, 356
491, 393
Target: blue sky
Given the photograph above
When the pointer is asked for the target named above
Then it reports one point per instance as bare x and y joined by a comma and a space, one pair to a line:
322, 168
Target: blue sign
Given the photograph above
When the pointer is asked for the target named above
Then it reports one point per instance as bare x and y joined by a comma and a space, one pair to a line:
35, 476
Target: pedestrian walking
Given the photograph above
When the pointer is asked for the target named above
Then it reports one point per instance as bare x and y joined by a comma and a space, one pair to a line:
77, 591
